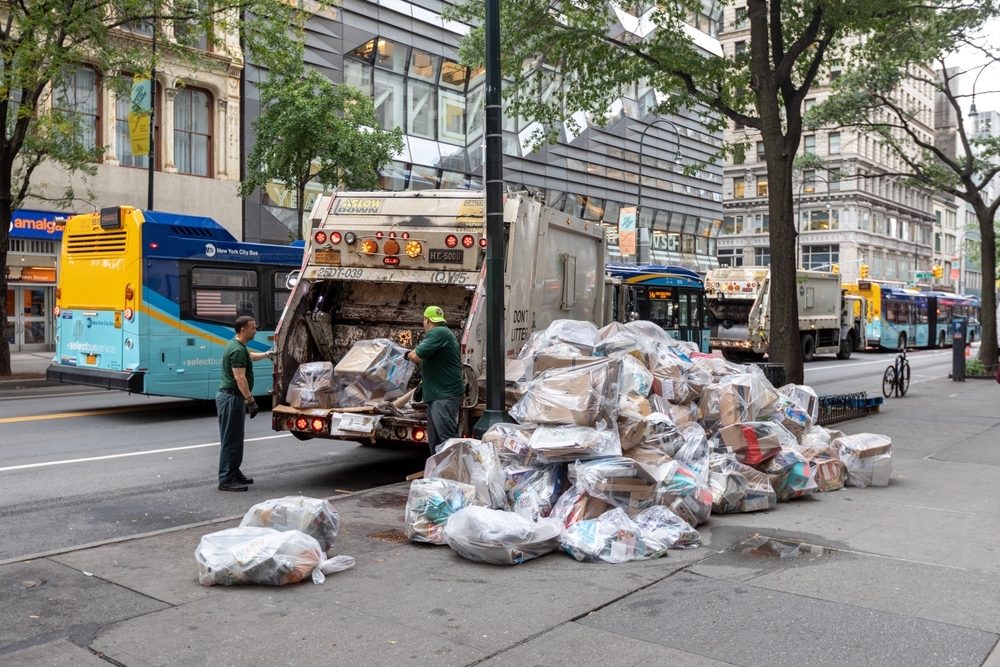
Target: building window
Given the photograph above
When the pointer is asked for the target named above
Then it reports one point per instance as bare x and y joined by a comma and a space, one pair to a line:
834, 183
78, 97
761, 156
810, 103
866, 220
834, 74
731, 257
762, 224
820, 221
123, 141
937, 242
740, 48
834, 143
762, 257
761, 185
810, 144
192, 33
739, 188
732, 225
820, 257
742, 23
809, 181
937, 218
192, 132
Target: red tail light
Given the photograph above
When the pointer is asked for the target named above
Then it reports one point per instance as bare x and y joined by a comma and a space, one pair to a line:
406, 235
468, 241
482, 242
320, 237
451, 241
128, 314
301, 423
289, 424
318, 424
392, 235
335, 238
378, 235
419, 434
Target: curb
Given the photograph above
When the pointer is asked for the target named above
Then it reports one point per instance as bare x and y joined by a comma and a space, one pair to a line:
26, 383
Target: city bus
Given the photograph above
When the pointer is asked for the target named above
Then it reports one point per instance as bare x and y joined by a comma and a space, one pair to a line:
146, 300
671, 296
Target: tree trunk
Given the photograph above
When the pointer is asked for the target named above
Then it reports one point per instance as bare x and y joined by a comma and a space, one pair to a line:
5, 215
784, 346
300, 204
988, 314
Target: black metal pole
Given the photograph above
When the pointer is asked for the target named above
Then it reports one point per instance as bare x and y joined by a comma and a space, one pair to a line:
152, 122
494, 412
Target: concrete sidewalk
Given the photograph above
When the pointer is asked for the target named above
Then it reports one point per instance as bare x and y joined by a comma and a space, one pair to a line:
28, 370
906, 575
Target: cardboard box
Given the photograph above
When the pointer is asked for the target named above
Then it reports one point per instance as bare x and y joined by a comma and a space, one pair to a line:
631, 429
546, 362
829, 475
863, 445
752, 443
367, 357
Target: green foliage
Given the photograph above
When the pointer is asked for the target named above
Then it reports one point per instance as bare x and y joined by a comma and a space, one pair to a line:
974, 367
310, 129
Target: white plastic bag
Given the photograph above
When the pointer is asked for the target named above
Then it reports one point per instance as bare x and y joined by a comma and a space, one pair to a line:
313, 516
610, 538
312, 386
250, 555
471, 462
500, 538
661, 526
430, 503
560, 444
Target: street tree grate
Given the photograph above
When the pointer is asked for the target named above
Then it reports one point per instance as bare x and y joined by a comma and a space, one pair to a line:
394, 536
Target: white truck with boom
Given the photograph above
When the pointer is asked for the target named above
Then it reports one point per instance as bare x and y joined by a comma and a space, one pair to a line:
739, 303
375, 260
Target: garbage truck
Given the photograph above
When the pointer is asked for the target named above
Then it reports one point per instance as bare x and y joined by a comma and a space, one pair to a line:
375, 260
739, 304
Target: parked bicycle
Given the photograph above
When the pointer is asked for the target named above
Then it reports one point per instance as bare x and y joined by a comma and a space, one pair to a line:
897, 377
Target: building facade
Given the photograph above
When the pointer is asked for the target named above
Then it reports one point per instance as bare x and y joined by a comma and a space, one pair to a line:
849, 212
403, 55
196, 168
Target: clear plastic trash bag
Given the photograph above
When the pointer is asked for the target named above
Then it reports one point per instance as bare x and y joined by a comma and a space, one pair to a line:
500, 538
313, 516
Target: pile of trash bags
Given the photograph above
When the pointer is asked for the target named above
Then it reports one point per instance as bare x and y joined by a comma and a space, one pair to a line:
278, 542
372, 371
624, 442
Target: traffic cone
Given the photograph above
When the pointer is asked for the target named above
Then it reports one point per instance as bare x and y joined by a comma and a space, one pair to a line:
968, 350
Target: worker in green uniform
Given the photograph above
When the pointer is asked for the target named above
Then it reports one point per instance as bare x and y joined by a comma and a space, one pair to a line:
441, 377
234, 401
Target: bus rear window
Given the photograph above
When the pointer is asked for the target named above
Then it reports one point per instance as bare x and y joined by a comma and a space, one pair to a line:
222, 295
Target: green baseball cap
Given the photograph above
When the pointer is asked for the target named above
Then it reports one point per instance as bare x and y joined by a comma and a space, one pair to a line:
434, 314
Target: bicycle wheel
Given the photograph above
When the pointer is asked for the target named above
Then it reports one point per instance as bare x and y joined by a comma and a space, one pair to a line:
904, 378
888, 382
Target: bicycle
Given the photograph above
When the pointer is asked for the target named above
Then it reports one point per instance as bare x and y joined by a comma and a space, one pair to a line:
897, 377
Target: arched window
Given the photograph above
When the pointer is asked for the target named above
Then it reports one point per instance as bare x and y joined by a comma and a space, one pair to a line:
193, 132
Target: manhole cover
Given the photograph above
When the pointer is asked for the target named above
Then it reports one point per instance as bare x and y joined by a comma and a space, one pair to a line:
394, 536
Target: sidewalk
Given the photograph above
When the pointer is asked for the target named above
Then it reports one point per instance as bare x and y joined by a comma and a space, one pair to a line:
906, 575
28, 369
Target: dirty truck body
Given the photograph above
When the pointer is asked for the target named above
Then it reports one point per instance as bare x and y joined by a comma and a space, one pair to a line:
375, 260
739, 302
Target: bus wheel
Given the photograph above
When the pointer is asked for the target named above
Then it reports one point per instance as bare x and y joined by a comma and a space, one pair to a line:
808, 347
846, 347
942, 339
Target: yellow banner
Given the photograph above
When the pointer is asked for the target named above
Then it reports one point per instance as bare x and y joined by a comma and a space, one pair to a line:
138, 115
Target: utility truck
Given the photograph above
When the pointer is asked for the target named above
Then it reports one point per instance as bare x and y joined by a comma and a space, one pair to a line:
739, 304
375, 260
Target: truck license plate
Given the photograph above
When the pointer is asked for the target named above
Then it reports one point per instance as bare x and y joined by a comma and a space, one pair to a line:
447, 256
327, 257
92, 359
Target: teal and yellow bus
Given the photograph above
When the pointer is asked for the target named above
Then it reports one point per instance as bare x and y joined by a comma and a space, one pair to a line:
146, 300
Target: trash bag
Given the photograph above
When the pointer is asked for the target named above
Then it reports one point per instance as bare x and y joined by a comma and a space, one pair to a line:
686, 495
561, 444
430, 503
652, 330
312, 386
661, 526
676, 379
868, 457
610, 538
619, 481
585, 395
576, 504
760, 494
635, 377
313, 516
694, 452
805, 398
790, 473
680, 413
511, 442
754, 442
500, 538
372, 370
580, 334
532, 491
472, 462
254, 555
729, 489
718, 368
664, 433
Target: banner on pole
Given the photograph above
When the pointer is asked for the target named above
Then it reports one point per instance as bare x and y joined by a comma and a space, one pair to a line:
139, 115
626, 230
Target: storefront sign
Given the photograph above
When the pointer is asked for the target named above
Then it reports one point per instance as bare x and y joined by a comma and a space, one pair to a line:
26, 224
30, 274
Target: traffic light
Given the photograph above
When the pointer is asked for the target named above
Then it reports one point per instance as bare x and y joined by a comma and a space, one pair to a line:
864, 270
937, 271
835, 268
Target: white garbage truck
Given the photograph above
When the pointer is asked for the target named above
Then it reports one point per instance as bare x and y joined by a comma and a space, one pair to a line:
375, 260
739, 304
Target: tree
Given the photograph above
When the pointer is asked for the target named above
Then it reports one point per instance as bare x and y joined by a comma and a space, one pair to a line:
310, 129
762, 88
41, 43
872, 97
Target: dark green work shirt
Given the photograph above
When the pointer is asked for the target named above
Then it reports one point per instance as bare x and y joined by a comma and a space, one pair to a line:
441, 365
236, 356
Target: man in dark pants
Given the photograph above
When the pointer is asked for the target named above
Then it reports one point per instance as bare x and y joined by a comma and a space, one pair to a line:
441, 377
234, 401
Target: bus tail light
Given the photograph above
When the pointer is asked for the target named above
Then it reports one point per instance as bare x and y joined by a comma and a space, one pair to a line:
468, 241
451, 240
55, 311
128, 314
335, 238
369, 247
413, 249
59, 292
320, 237
129, 292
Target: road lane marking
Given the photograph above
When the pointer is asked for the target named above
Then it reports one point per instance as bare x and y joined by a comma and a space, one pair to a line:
87, 413
887, 361
53, 395
127, 454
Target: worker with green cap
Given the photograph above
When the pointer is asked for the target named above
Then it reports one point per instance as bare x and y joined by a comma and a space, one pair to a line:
441, 377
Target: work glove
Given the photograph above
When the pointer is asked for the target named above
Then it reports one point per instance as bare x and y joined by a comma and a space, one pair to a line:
270, 354
252, 407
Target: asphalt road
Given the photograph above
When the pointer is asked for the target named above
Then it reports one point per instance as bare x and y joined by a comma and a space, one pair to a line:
80, 466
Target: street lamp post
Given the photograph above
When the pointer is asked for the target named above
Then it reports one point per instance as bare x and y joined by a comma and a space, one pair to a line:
638, 212
975, 235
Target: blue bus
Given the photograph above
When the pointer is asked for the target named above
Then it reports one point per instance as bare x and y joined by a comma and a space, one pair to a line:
924, 319
671, 296
146, 301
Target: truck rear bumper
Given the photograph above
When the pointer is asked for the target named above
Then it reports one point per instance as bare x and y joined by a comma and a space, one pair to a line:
318, 423
95, 377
